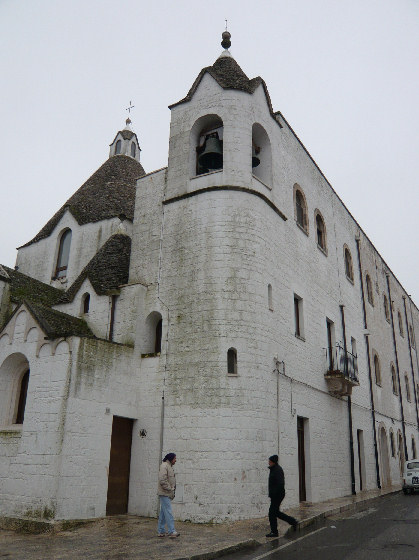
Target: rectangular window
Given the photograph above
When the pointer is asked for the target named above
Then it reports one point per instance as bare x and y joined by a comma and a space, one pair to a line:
298, 316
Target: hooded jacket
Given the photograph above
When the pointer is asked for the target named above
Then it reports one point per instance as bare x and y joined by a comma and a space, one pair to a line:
167, 480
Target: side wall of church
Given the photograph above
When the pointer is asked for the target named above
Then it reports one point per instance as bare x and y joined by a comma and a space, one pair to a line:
30, 453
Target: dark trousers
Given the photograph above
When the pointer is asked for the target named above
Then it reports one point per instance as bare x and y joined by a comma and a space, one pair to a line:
275, 513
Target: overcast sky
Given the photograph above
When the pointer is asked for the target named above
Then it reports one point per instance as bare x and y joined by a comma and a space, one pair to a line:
344, 73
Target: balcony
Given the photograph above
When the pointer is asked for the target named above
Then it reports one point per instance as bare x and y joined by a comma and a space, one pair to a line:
341, 371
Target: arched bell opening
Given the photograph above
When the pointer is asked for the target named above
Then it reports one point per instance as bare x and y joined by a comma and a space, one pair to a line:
206, 145
261, 154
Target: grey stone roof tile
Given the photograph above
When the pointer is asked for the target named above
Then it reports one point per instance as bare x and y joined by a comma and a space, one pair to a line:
108, 193
107, 270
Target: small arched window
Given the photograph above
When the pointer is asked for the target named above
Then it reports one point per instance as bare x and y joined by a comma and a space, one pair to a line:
133, 149
63, 254
86, 303
392, 444
348, 265
159, 329
300, 210
270, 304
400, 323
232, 361
394, 380
386, 308
118, 147
370, 295
320, 232
261, 154
377, 370
23, 393
207, 137
414, 456
406, 382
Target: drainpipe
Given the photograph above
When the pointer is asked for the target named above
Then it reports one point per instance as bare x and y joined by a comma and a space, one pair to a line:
351, 439
397, 366
367, 344
411, 362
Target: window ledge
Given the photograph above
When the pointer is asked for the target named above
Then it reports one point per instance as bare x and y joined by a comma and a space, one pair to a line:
232, 374
153, 355
300, 337
206, 174
322, 250
260, 181
302, 228
12, 430
349, 279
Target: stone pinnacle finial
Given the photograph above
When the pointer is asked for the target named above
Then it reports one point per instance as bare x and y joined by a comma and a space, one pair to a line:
128, 121
226, 43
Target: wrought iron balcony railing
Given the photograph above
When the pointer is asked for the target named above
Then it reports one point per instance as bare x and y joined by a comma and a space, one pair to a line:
341, 365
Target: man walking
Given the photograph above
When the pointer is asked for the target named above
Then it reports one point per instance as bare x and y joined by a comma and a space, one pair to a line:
166, 492
277, 494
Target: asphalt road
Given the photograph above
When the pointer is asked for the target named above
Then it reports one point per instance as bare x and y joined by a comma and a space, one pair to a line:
387, 530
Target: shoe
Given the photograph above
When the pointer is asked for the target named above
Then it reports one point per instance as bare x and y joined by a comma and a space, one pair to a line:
272, 534
161, 534
294, 525
174, 535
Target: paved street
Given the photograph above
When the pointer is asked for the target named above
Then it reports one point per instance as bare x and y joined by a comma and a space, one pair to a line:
129, 537
387, 529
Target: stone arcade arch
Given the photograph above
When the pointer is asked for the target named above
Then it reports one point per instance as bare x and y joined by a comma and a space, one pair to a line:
261, 148
14, 379
208, 126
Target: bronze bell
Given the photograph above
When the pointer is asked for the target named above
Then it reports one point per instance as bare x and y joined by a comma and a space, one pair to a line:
255, 159
212, 155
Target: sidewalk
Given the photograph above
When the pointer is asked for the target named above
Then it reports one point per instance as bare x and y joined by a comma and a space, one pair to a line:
135, 538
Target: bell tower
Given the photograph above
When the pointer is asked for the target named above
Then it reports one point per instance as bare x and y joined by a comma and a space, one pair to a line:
219, 132
125, 143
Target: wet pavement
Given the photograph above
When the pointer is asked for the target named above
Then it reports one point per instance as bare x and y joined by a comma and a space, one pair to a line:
135, 538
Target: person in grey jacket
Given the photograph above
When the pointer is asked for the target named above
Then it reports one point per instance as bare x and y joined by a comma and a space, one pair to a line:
166, 491
277, 494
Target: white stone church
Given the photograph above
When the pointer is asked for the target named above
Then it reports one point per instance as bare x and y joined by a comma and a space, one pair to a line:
225, 307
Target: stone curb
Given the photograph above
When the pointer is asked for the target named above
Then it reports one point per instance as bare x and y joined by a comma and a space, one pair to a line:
253, 543
245, 545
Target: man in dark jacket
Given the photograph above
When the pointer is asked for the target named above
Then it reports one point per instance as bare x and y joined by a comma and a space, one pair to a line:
277, 494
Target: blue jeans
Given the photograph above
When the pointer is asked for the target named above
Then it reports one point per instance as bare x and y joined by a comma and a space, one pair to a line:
166, 516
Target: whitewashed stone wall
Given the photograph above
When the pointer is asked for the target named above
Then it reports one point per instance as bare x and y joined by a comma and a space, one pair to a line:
39, 259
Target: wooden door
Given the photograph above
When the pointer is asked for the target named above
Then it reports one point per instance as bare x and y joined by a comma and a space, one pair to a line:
301, 460
119, 466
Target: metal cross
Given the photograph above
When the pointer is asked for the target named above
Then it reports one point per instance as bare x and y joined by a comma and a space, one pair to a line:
131, 106
226, 24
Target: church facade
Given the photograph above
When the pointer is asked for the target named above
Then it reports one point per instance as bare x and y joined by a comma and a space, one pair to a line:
225, 307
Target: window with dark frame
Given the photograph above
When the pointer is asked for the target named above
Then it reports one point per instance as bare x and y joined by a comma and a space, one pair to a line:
377, 370
63, 254
23, 393
86, 303
133, 149
232, 361
370, 295
118, 147
300, 209
394, 380
159, 329
298, 316
348, 265
321, 233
